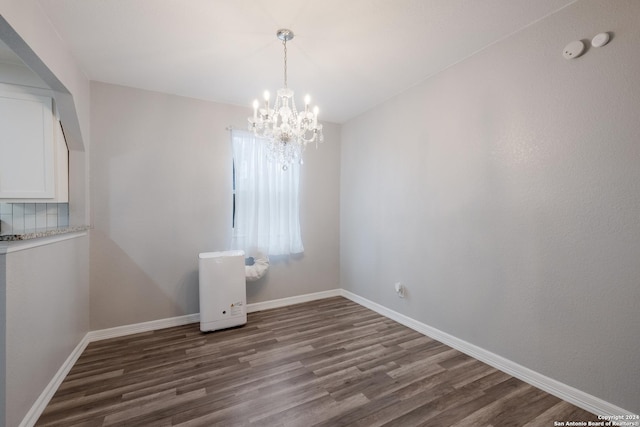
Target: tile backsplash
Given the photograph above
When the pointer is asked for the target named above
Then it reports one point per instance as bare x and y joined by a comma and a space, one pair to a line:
23, 218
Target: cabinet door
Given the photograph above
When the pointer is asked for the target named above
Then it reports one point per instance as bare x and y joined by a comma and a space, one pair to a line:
26, 146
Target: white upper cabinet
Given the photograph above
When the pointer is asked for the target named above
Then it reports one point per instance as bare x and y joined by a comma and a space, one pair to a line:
33, 153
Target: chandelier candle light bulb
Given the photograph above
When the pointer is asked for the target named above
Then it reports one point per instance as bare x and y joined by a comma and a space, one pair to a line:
307, 100
285, 130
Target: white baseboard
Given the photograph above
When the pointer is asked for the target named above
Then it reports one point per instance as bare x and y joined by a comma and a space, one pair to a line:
572, 395
136, 328
119, 331
153, 325
45, 397
43, 400
283, 302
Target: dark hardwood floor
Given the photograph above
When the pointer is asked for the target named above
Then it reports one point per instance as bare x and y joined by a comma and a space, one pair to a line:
325, 363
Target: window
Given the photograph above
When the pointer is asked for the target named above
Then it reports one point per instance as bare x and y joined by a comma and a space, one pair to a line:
266, 202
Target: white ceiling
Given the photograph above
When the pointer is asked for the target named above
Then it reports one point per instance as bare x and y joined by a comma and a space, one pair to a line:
348, 54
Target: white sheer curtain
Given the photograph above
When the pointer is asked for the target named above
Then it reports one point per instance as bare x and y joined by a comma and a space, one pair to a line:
266, 203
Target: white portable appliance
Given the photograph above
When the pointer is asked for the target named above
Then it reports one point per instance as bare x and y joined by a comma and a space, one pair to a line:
223, 292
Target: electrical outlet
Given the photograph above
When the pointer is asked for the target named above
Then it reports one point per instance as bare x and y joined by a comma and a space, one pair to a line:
399, 288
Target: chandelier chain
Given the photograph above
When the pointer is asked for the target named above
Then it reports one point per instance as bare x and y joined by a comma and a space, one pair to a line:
284, 43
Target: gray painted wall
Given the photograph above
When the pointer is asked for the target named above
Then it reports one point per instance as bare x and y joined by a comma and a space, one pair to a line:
506, 198
161, 193
47, 313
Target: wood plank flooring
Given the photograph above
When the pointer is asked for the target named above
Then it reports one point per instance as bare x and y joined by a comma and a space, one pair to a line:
330, 362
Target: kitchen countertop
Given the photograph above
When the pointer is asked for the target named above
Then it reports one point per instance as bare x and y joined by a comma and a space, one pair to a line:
42, 233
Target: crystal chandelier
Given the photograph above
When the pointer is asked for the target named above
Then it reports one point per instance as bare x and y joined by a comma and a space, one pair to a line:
286, 130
